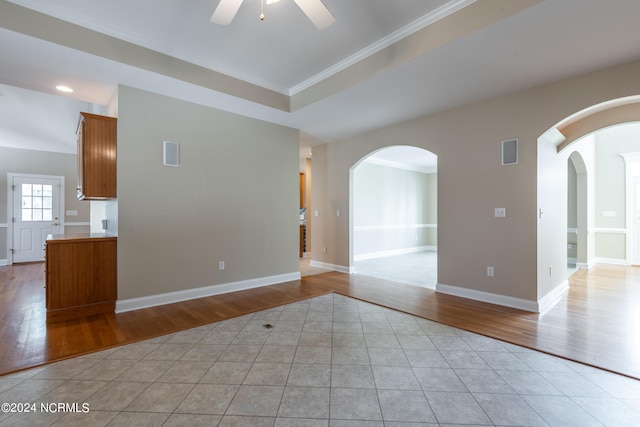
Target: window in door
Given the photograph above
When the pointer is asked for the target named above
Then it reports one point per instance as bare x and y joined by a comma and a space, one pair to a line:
37, 202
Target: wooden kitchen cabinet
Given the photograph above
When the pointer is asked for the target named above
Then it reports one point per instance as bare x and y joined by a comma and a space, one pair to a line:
81, 275
97, 141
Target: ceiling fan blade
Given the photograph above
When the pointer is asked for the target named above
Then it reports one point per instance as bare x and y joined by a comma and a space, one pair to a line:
317, 12
225, 12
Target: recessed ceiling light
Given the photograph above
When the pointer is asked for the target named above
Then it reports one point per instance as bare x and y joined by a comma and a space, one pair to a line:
62, 88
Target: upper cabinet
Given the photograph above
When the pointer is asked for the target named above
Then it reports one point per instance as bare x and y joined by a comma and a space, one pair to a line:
97, 136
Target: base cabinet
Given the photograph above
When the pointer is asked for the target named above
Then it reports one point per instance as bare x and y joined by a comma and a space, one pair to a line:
81, 276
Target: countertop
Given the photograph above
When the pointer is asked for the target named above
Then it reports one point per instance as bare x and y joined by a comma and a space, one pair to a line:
79, 237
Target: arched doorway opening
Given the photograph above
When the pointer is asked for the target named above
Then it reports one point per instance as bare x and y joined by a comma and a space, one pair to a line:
579, 205
583, 140
393, 223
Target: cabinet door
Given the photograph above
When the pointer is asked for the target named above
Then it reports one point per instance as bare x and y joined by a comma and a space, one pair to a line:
97, 136
80, 157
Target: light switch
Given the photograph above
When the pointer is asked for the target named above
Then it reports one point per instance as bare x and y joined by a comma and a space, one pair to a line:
72, 213
500, 212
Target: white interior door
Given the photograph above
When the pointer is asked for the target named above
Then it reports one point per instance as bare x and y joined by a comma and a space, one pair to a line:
635, 232
36, 214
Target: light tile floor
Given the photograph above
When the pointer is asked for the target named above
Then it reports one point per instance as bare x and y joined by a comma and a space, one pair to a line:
416, 268
328, 361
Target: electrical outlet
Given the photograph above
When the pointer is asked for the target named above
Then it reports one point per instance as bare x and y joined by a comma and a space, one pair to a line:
489, 271
220, 265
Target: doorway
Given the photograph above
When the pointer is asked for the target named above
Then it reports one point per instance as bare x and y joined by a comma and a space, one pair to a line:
36, 203
572, 217
579, 204
393, 230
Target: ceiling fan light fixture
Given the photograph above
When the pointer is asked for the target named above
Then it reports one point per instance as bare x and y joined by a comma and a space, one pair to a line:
225, 12
317, 13
315, 10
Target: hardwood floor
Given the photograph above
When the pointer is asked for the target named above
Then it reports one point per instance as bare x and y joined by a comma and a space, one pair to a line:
595, 323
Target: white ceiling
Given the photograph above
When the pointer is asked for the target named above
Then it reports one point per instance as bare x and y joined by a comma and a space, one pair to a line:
284, 57
279, 53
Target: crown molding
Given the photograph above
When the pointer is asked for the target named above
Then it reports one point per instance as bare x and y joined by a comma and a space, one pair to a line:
420, 23
55, 10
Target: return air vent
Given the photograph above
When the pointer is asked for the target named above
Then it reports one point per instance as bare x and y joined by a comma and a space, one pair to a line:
510, 152
170, 153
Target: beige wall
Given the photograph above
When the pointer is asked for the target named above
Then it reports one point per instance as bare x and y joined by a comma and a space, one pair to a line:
472, 182
14, 160
234, 197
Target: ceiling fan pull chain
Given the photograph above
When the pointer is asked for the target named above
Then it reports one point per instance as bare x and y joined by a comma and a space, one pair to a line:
262, 10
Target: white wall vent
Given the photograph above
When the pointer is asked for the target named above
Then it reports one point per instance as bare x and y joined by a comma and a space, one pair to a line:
510, 152
170, 153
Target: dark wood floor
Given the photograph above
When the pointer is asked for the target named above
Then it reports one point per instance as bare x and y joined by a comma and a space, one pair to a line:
596, 323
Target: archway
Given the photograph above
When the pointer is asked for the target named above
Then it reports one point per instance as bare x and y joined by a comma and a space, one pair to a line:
554, 150
393, 215
580, 213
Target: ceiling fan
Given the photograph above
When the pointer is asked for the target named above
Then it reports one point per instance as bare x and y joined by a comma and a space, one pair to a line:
315, 10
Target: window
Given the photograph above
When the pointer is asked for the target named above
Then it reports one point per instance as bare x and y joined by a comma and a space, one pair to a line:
37, 202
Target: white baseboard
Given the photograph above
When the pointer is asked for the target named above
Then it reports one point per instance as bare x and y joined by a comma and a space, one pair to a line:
334, 267
522, 304
519, 303
615, 261
585, 265
553, 296
206, 291
403, 251
4, 262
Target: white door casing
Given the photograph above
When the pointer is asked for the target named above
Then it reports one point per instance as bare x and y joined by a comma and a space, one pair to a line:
36, 204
